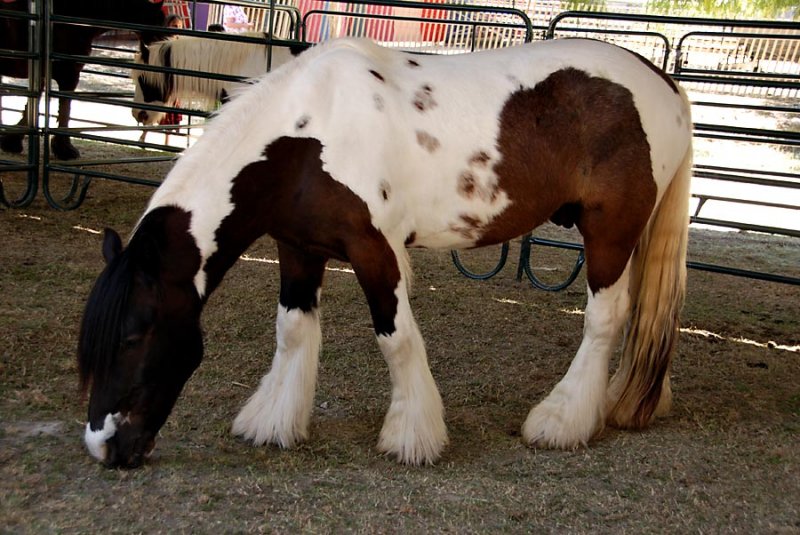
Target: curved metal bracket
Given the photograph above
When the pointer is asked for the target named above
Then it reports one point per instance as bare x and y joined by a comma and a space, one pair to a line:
525, 263
73, 198
485, 275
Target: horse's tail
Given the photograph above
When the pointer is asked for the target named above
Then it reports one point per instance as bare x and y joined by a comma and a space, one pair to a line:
640, 389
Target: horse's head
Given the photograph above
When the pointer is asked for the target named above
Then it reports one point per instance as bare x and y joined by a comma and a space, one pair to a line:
151, 87
150, 13
140, 341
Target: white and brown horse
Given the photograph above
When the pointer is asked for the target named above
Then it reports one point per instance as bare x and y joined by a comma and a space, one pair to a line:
205, 55
356, 152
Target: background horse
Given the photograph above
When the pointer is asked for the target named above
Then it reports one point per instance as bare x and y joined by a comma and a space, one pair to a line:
231, 58
356, 152
67, 39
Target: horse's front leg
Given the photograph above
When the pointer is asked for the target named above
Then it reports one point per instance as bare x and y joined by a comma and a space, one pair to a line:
280, 410
61, 144
575, 409
413, 431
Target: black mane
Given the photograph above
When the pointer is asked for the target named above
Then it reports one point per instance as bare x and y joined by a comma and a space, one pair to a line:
101, 328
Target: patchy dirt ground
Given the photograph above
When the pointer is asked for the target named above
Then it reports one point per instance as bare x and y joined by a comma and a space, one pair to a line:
726, 459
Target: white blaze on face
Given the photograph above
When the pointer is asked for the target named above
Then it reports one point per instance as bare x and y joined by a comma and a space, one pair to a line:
96, 439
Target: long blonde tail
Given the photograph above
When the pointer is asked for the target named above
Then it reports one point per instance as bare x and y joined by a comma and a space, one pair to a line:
640, 389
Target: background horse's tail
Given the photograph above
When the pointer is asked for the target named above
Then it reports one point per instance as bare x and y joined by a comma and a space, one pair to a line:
640, 389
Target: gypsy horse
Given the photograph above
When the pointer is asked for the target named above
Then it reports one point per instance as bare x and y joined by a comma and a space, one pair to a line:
232, 58
68, 39
356, 152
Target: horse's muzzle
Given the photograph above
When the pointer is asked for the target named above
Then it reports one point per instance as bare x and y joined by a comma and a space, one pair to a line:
118, 444
128, 454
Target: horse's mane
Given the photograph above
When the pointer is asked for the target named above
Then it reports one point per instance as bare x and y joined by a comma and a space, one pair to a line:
101, 328
200, 54
103, 319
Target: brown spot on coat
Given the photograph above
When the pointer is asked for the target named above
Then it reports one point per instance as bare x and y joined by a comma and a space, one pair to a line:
468, 228
412, 63
385, 190
302, 122
479, 159
378, 100
423, 98
466, 184
427, 141
411, 239
377, 75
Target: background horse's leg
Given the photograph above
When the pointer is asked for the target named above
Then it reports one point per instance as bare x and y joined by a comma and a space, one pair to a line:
575, 410
413, 431
280, 409
13, 142
61, 145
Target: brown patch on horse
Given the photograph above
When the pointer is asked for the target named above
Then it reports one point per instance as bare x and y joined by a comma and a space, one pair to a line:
575, 141
411, 239
427, 141
378, 100
423, 98
385, 190
412, 63
267, 202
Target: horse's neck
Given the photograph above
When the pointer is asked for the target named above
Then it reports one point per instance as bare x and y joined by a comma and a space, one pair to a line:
164, 240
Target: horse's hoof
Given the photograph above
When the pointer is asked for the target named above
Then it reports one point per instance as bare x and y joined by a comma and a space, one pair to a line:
11, 143
563, 420
63, 149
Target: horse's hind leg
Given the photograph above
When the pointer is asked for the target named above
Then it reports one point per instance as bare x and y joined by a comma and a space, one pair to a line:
413, 430
280, 410
575, 409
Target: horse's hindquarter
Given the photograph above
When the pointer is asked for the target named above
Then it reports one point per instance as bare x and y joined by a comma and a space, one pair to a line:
480, 148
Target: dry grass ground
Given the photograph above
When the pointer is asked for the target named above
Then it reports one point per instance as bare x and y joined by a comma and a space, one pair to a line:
726, 459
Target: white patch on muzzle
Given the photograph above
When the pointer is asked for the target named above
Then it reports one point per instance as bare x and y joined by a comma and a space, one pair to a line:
96, 440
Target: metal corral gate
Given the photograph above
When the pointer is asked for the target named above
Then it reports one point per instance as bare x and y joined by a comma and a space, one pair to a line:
751, 66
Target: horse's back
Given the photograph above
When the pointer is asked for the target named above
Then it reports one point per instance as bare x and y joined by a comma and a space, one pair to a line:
429, 127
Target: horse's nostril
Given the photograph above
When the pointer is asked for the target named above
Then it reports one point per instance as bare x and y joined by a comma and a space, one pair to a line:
112, 454
134, 461
142, 116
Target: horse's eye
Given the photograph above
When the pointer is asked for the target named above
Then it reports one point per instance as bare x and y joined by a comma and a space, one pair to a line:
131, 341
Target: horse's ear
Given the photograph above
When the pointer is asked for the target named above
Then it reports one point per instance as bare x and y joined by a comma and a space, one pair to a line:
299, 48
112, 245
